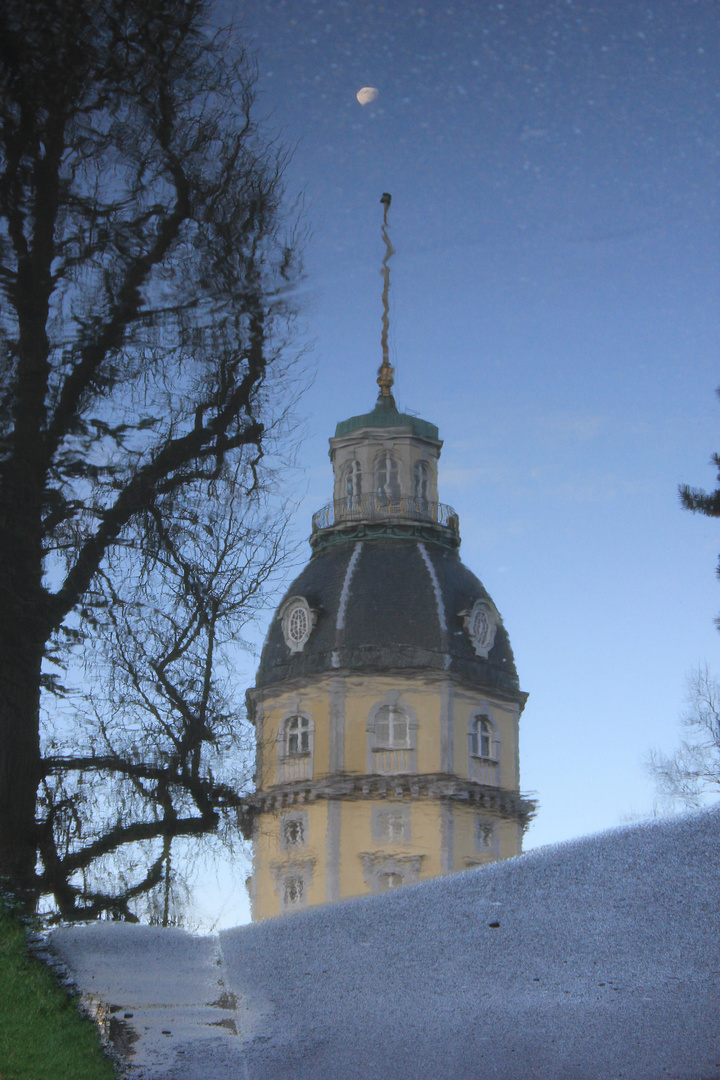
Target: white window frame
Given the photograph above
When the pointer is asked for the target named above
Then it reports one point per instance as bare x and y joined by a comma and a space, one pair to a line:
477, 737
295, 608
392, 756
304, 726
295, 747
484, 613
397, 718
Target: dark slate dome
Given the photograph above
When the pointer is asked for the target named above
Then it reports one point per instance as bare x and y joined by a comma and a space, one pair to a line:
387, 605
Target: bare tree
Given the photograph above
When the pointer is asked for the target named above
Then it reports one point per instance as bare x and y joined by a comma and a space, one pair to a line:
699, 501
155, 745
145, 270
691, 775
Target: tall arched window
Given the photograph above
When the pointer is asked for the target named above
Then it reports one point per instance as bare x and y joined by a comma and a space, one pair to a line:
387, 483
483, 751
482, 738
297, 736
421, 481
295, 750
353, 483
392, 740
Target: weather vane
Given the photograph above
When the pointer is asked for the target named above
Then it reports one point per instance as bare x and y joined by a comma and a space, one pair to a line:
385, 377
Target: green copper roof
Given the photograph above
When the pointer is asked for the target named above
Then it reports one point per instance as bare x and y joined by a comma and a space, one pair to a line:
385, 415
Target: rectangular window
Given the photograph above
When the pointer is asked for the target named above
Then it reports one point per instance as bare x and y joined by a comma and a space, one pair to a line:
391, 824
391, 728
297, 736
294, 831
486, 837
299, 742
389, 881
294, 891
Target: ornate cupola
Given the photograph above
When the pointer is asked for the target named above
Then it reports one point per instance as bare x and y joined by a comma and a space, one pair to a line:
385, 466
386, 703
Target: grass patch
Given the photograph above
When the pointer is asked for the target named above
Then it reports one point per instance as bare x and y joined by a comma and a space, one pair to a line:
42, 1034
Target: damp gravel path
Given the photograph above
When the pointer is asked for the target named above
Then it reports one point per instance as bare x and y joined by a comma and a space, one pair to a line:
591, 960
160, 997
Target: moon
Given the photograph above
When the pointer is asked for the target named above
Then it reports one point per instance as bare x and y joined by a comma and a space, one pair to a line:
367, 94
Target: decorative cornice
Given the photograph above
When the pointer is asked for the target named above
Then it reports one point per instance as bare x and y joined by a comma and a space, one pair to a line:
444, 786
347, 533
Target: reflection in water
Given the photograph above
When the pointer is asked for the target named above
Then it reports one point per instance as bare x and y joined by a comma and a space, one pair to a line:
385, 816
386, 703
555, 212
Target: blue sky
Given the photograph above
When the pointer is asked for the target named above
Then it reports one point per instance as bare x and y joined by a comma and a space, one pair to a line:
554, 309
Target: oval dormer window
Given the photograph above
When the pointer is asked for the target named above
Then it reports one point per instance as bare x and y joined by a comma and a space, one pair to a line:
481, 623
481, 630
298, 626
297, 620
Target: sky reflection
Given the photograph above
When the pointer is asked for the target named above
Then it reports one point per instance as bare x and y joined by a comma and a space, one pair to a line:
554, 302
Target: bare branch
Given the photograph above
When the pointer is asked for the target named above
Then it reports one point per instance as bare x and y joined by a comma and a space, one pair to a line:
691, 775
147, 273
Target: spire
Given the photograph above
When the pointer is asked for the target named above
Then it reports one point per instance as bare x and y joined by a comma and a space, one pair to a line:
386, 377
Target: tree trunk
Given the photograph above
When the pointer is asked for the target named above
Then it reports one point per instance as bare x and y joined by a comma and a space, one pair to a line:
20, 664
22, 648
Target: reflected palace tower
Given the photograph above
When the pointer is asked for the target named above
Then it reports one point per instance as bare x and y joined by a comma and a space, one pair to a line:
386, 704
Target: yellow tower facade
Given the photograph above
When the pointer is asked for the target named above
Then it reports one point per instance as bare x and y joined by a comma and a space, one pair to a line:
386, 704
